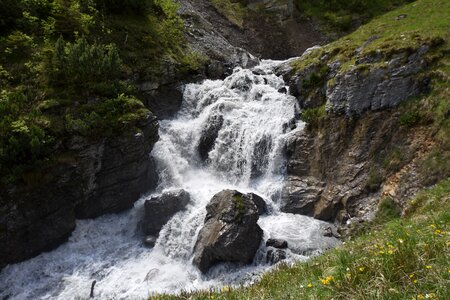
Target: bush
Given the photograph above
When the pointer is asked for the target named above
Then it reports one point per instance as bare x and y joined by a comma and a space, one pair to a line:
121, 6
23, 139
85, 68
313, 116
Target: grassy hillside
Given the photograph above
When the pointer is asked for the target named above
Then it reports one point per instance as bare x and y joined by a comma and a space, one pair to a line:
337, 16
67, 67
392, 257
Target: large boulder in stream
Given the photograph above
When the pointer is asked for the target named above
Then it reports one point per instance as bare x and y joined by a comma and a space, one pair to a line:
230, 233
159, 210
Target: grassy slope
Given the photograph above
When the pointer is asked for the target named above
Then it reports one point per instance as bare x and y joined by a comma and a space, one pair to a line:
337, 17
393, 258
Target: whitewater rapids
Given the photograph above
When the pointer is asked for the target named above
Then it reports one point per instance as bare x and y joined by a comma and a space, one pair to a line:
257, 117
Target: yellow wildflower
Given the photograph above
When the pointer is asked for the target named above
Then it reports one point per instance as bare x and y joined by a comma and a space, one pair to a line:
428, 267
420, 296
226, 289
361, 269
310, 285
412, 275
390, 251
432, 226
437, 231
327, 280
415, 281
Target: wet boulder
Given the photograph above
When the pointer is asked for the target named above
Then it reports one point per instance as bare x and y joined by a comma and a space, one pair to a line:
230, 232
277, 243
209, 135
259, 202
274, 255
159, 210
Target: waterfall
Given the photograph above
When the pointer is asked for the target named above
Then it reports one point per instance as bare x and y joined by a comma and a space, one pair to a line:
228, 134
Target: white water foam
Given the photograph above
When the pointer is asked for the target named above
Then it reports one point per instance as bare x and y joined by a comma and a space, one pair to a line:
247, 155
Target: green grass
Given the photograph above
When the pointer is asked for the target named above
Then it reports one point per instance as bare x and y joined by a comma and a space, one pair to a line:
399, 258
233, 10
341, 16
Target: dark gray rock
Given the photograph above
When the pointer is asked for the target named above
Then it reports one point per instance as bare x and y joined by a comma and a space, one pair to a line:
164, 100
150, 241
95, 178
209, 135
260, 157
374, 88
116, 171
274, 256
300, 195
259, 202
277, 243
230, 233
159, 210
283, 90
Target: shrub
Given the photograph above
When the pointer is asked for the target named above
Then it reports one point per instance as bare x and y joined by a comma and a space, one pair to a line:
313, 116
84, 67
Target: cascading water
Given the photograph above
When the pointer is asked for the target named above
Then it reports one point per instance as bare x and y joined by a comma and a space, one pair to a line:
228, 134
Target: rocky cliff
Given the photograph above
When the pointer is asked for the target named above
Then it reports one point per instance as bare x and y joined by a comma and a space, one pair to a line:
94, 178
372, 124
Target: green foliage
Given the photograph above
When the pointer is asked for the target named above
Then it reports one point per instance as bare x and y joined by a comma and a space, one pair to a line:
316, 79
388, 209
85, 68
410, 118
121, 6
375, 179
234, 10
313, 116
22, 138
341, 16
64, 69
106, 117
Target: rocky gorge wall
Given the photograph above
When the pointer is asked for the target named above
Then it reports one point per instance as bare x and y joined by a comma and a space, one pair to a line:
355, 149
97, 177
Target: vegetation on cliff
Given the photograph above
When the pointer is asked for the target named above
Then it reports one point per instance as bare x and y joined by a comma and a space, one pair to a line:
69, 67
405, 30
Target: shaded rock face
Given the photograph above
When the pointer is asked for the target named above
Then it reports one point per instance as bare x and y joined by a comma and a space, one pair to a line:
159, 210
271, 29
230, 232
209, 135
357, 91
336, 167
105, 176
373, 83
335, 172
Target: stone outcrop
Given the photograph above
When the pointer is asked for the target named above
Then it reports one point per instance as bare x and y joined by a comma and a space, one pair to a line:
364, 87
95, 178
337, 165
230, 232
159, 210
